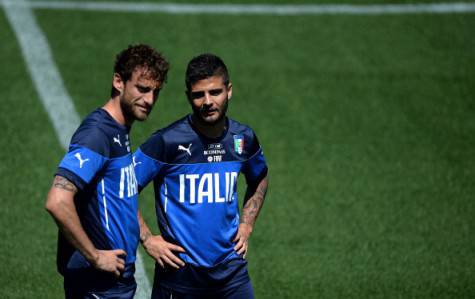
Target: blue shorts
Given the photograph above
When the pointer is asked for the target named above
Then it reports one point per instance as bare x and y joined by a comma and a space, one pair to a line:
229, 279
243, 291
90, 283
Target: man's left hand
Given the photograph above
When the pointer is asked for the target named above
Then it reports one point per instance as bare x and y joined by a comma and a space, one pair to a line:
242, 237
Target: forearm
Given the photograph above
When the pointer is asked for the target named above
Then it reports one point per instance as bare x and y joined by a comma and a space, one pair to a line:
161, 250
60, 204
253, 202
145, 232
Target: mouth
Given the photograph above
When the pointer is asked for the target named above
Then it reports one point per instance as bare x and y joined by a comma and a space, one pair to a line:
144, 109
208, 113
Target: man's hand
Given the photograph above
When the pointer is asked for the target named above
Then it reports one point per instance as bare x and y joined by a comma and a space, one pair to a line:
60, 204
242, 237
162, 251
110, 261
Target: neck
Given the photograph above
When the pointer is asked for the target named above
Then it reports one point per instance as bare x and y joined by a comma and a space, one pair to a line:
115, 110
209, 130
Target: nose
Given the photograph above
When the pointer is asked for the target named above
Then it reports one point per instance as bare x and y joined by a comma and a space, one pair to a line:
149, 98
207, 100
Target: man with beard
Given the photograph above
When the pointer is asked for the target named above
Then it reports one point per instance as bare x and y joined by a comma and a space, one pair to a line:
194, 164
94, 195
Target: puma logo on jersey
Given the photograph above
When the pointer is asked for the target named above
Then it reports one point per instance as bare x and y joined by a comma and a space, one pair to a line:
81, 161
135, 163
182, 148
117, 140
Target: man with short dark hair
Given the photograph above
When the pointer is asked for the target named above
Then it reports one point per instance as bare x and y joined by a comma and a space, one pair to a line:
94, 194
194, 164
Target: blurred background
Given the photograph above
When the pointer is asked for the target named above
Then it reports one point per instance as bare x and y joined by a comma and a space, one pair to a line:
367, 122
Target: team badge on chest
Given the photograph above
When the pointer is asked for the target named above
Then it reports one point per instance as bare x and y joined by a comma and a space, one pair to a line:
238, 144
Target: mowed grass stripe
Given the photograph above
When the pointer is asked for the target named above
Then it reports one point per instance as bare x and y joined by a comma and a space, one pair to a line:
259, 9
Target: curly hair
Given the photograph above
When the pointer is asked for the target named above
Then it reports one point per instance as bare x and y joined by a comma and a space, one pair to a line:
138, 56
204, 66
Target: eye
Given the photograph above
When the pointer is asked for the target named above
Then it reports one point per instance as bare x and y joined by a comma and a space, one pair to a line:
215, 92
197, 94
143, 89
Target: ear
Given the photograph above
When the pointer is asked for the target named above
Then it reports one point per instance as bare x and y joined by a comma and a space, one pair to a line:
118, 83
230, 90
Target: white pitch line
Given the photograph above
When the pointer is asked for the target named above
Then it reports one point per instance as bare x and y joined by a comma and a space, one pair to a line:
52, 93
261, 9
43, 71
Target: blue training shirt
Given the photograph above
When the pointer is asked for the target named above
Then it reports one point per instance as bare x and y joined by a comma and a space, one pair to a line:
99, 162
195, 181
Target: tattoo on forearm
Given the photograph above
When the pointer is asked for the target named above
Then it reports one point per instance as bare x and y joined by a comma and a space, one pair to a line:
253, 205
63, 183
261, 191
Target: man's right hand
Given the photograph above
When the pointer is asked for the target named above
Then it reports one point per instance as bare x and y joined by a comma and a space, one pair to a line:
110, 261
162, 251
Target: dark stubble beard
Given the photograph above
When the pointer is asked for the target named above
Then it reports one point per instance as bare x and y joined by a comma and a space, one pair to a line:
128, 110
198, 117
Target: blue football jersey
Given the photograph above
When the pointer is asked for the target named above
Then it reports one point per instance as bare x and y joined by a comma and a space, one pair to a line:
195, 186
99, 162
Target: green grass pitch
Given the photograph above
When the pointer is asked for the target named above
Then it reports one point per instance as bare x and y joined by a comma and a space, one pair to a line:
367, 124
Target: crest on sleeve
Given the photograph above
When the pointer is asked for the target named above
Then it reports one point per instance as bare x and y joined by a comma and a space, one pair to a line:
238, 144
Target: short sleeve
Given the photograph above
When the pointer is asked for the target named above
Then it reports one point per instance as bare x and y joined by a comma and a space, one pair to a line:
148, 159
255, 167
154, 147
86, 156
80, 165
146, 168
93, 138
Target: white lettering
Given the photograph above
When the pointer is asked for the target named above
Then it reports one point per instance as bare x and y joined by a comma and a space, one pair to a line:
121, 185
192, 178
206, 178
195, 188
217, 197
128, 180
182, 188
134, 187
127, 173
234, 176
227, 186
